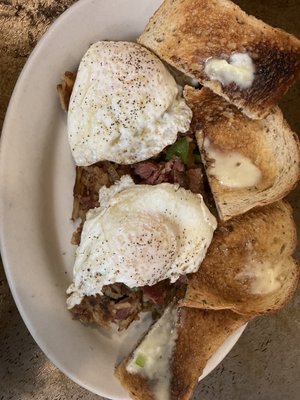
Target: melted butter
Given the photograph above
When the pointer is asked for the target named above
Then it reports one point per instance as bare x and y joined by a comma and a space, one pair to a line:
156, 351
239, 70
231, 169
265, 277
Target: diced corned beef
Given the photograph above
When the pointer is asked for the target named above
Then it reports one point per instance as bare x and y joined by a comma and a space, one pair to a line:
89, 202
125, 308
179, 178
123, 313
65, 88
182, 280
93, 309
121, 305
112, 171
89, 181
152, 173
148, 170
154, 294
95, 176
175, 164
195, 180
116, 291
77, 235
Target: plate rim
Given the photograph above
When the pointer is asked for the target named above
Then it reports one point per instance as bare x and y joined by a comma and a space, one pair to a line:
4, 139
3, 145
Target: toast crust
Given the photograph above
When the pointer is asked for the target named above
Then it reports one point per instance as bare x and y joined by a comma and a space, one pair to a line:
185, 33
137, 386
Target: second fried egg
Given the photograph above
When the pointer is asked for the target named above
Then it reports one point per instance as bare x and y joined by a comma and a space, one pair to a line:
140, 235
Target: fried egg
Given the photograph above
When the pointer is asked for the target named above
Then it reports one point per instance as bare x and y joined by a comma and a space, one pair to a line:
125, 106
140, 235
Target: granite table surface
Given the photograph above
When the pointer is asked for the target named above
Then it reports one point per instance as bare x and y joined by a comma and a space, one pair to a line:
264, 364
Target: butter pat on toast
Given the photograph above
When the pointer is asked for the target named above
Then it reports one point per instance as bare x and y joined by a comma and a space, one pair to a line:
239, 57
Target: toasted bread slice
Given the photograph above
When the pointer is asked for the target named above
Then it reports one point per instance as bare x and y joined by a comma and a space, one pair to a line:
248, 163
187, 33
249, 267
199, 334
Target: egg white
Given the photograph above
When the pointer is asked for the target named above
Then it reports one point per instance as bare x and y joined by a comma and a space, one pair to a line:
140, 235
125, 106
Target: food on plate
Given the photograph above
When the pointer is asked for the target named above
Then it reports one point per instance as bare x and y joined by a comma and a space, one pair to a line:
119, 304
167, 363
90, 179
139, 236
65, 89
239, 57
125, 105
155, 163
248, 163
249, 267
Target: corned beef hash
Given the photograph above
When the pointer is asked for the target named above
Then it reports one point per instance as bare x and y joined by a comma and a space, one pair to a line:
139, 189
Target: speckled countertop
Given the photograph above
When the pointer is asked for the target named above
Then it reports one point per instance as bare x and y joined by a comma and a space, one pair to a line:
265, 363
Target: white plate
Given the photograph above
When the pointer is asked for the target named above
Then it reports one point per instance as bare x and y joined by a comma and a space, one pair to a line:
36, 181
